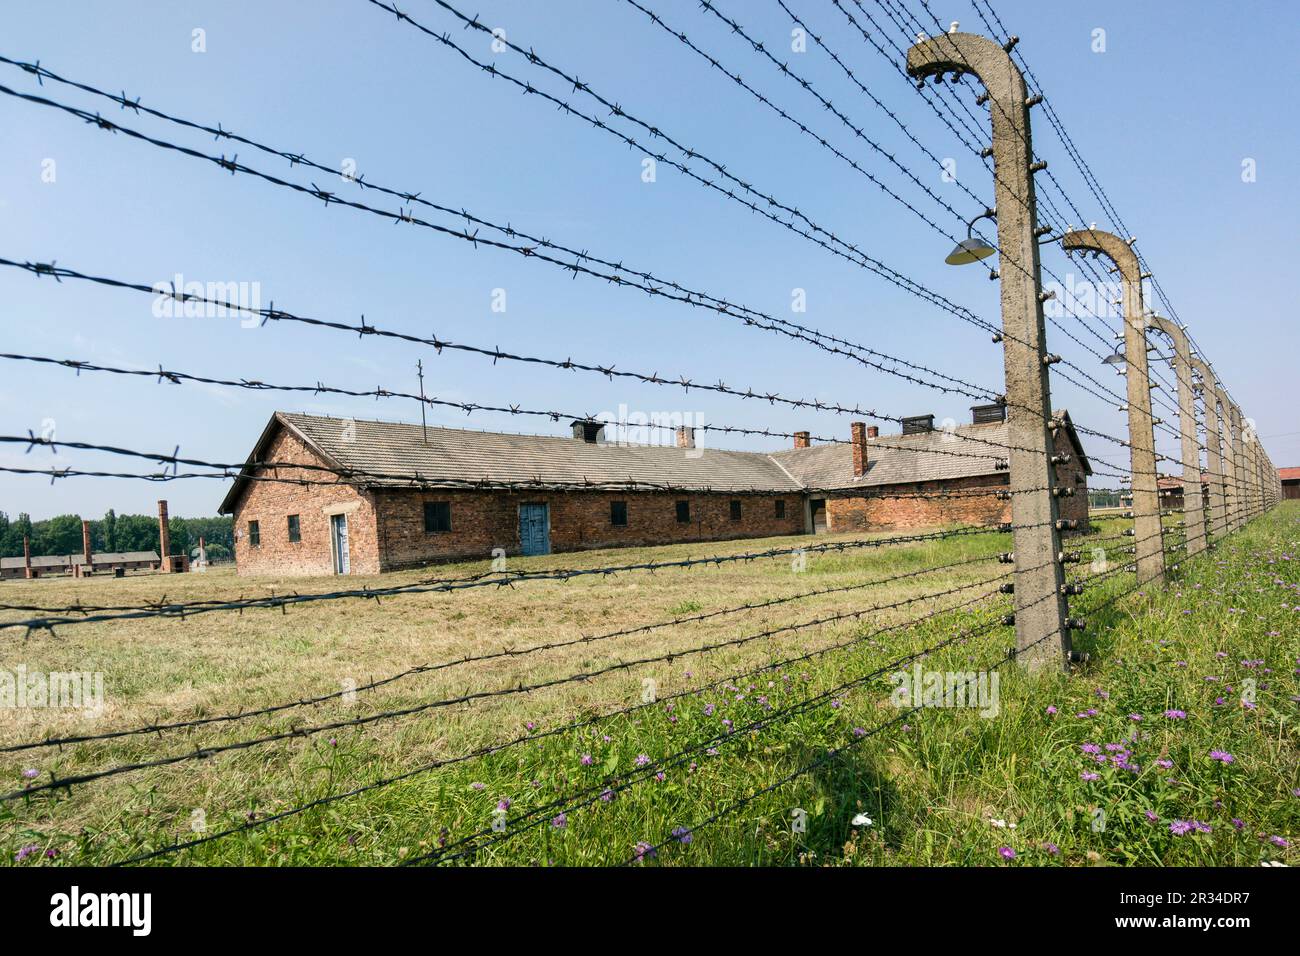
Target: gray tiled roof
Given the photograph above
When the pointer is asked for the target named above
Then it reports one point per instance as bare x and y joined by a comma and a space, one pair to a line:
472, 456
392, 453
900, 459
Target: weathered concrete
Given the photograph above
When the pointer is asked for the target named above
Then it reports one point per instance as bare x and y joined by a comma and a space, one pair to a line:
1235, 518
1149, 543
1193, 503
1042, 638
1214, 464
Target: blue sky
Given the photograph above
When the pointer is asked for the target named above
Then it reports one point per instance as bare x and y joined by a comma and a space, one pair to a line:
343, 80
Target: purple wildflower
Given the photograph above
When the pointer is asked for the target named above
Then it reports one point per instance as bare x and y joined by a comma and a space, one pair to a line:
1006, 853
682, 835
1222, 756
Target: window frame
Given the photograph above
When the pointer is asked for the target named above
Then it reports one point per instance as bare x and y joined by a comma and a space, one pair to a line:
294, 523
683, 506
441, 514
735, 510
779, 509
254, 533
614, 506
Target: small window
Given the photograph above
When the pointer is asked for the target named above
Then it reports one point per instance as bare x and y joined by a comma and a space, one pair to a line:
735, 509
683, 512
780, 507
437, 516
618, 514
295, 530
254, 535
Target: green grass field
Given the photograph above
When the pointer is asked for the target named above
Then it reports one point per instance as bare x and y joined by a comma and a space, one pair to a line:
779, 747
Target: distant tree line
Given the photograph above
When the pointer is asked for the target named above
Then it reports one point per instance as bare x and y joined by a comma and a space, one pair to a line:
115, 532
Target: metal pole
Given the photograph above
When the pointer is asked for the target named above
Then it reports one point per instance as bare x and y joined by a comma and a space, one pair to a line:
424, 425
1141, 427
1193, 505
1042, 634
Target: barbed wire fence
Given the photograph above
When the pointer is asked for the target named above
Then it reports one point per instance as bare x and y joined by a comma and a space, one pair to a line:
1226, 476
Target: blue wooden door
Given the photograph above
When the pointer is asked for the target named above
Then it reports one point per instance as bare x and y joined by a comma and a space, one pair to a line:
534, 529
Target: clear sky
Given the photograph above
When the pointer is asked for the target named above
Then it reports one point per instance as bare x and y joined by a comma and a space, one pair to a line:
1182, 95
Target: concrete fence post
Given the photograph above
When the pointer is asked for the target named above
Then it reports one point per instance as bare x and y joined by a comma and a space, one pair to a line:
1229, 462
1141, 428
1213, 450
1193, 503
1042, 635
1238, 469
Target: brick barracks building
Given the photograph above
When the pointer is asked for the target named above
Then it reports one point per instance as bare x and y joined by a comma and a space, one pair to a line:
486, 493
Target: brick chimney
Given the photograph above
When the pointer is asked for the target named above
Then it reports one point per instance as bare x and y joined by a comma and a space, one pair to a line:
88, 561
873, 431
27, 557
164, 539
860, 460
802, 440
685, 436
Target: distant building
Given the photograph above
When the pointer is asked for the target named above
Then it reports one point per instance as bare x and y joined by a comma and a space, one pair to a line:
1290, 478
75, 564
485, 493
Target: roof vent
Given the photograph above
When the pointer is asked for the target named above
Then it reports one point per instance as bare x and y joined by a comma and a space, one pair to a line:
592, 432
984, 414
917, 424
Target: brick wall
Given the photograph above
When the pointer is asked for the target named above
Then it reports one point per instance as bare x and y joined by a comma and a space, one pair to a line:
849, 513
482, 521
271, 503
882, 514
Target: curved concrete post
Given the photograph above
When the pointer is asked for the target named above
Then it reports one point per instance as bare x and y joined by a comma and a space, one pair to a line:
1141, 429
1214, 464
1234, 461
1249, 446
1193, 505
1042, 638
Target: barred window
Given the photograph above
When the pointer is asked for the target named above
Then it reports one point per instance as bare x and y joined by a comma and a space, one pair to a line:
618, 514
735, 509
254, 535
295, 530
437, 516
683, 512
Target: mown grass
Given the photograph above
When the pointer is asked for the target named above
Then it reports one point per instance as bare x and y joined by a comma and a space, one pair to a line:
940, 786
